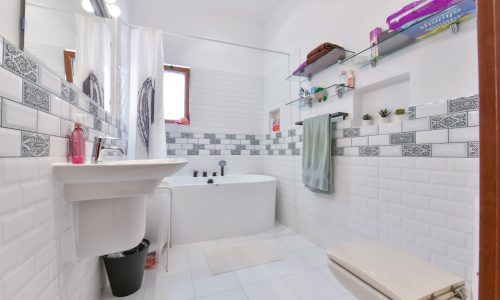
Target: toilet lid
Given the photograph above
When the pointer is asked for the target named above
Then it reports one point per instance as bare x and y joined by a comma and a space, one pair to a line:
396, 274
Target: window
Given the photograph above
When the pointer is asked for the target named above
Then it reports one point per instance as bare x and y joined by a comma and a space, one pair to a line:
176, 94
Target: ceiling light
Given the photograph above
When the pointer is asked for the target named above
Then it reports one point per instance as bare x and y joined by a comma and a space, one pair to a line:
114, 10
110, 1
87, 6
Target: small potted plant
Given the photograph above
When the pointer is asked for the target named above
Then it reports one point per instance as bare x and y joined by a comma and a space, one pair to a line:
400, 114
386, 115
367, 120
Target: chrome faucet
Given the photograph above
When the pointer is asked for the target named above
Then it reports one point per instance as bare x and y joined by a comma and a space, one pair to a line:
100, 144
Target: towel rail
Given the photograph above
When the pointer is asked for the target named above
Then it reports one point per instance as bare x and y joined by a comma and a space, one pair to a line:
335, 117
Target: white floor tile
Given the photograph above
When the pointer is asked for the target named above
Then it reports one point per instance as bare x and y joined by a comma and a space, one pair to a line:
139, 295
175, 287
255, 274
271, 290
290, 264
315, 257
197, 259
178, 263
206, 284
312, 285
325, 271
237, 294
232, 241
295, 242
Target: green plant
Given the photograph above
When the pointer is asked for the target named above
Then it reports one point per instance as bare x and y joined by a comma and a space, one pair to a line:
367, 117
385, 113
400, 111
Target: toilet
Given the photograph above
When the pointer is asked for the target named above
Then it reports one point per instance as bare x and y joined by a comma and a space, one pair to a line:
373, 271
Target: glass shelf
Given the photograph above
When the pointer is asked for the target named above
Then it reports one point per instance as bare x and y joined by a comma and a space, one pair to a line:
330, 59
447, 18
337, 90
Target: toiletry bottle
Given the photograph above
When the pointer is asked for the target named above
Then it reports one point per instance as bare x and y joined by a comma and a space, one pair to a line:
350, 79
77, 147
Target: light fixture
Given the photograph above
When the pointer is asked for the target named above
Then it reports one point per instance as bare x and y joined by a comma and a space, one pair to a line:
114, 10
87, 6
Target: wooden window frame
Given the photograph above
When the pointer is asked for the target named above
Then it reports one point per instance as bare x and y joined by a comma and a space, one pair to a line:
488, 29
69, 58
187, 75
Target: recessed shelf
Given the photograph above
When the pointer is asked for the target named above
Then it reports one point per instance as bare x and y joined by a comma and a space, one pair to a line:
447, 18
339, 89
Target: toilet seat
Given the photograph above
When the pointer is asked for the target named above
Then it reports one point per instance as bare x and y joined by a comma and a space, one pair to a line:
373, 271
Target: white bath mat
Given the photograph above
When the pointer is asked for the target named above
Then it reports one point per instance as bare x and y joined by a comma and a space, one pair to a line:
230, 258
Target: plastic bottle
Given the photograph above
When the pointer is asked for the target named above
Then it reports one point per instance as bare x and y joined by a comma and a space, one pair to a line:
77, 143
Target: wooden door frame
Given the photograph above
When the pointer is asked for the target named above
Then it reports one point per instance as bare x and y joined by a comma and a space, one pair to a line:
488, 19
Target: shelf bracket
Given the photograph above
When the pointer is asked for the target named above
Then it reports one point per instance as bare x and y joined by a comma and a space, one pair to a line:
454, 28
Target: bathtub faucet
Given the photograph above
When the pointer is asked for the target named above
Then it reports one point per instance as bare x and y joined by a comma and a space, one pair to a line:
195, 173
222, 164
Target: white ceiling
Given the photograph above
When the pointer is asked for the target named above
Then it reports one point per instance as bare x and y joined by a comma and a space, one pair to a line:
251, 10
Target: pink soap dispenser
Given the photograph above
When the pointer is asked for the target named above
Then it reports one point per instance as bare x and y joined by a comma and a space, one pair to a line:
78, 143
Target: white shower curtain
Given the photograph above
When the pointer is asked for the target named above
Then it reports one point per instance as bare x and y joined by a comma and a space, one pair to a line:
93, 54
146, 124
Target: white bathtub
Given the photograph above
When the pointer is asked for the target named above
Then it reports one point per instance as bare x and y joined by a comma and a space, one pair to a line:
233, 205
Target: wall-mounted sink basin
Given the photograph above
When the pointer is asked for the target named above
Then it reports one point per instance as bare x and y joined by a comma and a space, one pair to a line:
109, 201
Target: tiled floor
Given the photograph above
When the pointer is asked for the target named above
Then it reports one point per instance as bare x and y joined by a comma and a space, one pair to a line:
302, 274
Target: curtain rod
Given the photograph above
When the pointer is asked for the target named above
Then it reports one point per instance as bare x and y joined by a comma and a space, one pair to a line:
175, 33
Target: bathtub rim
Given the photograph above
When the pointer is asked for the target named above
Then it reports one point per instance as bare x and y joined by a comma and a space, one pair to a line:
263, 179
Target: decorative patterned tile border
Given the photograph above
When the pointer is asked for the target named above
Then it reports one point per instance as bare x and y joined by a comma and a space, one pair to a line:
369, 151
34, 145
402, 138
351, 132
36, 97
463, 104
41, 107
19, 63
473, 149
420, 150
449, 121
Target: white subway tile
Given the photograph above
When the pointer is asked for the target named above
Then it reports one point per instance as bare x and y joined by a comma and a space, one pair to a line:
345, 142
10, 85
10, 140
360, 141
473, 118
56, 106
416, 125
351, 151
49, 81
64, 110
15, 224
466, 134
368, 130
48, 124
390, 150
14, 281
377, 140
59, 147
430, 137
389, 128
450, 150
432, 109
18, 116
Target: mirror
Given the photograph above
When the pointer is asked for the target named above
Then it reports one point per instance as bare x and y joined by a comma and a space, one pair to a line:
74, 44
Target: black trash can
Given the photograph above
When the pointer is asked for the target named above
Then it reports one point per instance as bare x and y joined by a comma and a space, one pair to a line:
126, 269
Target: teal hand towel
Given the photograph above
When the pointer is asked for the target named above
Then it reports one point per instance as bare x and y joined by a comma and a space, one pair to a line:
316, 169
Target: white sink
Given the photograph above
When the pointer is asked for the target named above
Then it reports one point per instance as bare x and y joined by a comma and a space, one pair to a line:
109, 201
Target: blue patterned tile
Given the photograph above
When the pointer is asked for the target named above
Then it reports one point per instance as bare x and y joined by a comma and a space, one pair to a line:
369, 151
351, 132
36, 97
473, 149
463, 104
68, 93
402, 138
18, 62
449, 121
419, 150
412, 112
34, 145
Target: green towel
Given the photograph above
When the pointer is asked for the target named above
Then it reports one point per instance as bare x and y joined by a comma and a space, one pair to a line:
316, 157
